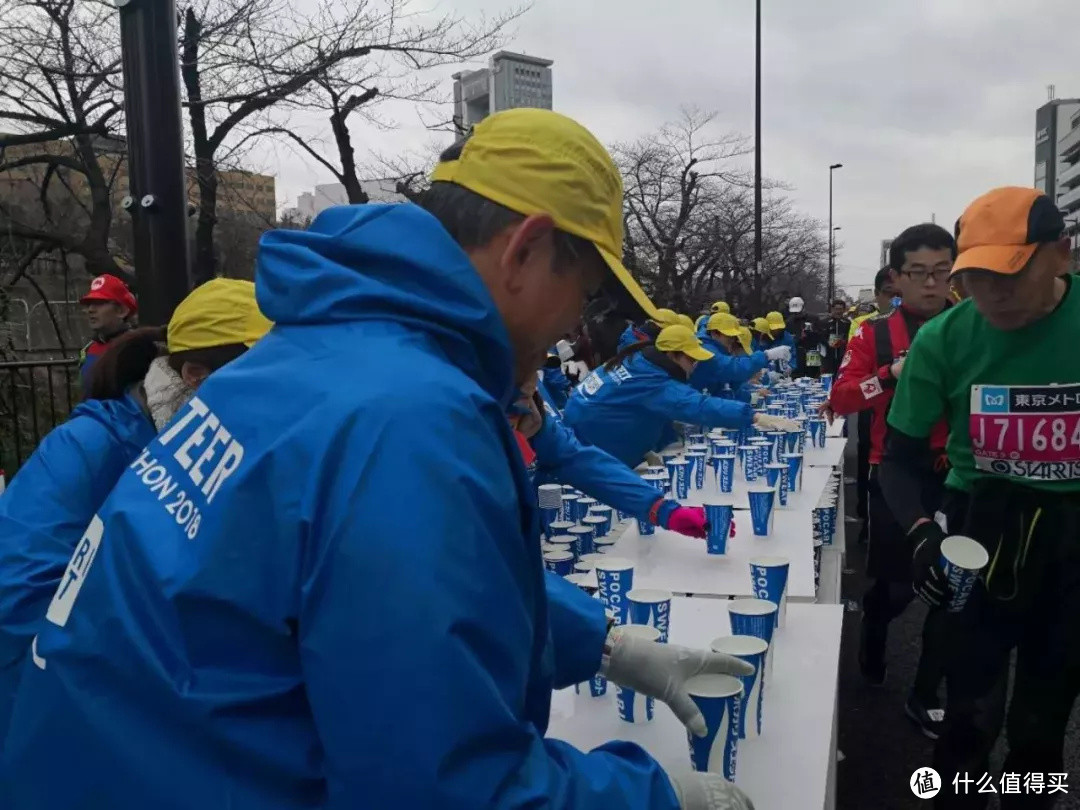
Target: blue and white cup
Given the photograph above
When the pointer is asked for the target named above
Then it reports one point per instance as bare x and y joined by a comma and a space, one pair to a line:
754, 617
549, 498
792, 440
719, 512
748, 461
559, 562
753, 651
580, 507
585, 567
761, 500
679, 473
961, 559
569, 488
776, 445
697, 459
608, 514
768, 581
724, 467
560, 528
583, 540
633, 706
794, 463
623, 516
817, 431
776, 475
604, 545
569, 510
586, 581
615, 576
598, 524
719, 698
561, 542
826, 382
652, 607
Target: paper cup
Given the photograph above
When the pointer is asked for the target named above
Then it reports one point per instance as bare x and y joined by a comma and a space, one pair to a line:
559, 562
615, 576
568, 507
826, 381
607, 514
603, 545
583, 539
551, 545
560, 528
698, 462
777, 477
651, 607
634, 707
753, 651
718, 697
961, 559
584, 567
768, 579
794, 464
718, 514
724, 467
679, 473
776, 446
747, 455
549, 496
585, 581
754, 617
593, 558
817, 431
598, 524
761, 506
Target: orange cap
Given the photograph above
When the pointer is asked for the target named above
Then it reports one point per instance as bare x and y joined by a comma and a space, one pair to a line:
1003, 228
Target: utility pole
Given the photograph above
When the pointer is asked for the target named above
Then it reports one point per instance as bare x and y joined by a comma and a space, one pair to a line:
757, 142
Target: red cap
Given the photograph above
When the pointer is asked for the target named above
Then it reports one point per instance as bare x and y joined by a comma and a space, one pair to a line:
110, 288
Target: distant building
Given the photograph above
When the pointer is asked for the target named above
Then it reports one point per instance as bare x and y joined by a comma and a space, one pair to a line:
510, 80
885, 245
1057, 158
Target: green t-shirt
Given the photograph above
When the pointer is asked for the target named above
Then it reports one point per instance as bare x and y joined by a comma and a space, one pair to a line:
1012, 399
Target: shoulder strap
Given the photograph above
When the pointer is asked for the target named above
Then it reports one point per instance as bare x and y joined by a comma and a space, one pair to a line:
882, 340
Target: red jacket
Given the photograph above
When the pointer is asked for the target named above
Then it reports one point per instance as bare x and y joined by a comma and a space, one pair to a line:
865, 378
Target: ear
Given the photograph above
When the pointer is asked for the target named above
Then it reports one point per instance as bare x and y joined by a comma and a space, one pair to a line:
193, 374
527, 242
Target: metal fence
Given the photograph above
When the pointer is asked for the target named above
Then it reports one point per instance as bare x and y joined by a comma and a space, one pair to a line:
35, 396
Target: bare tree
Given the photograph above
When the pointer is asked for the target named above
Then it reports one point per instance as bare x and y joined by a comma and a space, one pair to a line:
60, 104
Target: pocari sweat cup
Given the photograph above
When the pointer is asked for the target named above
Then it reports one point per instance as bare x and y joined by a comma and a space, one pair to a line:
718, 697
769, 579
761, 507
634, 707
754, 617
724, 467
585, 581
678, 471
597, 523
583, 539
615, 576
603, 545
569, 508
794, 465
961, 559
719, 512
817, 431
605, 512
697, 468
559, 562
753, 651
776, 475
651, 607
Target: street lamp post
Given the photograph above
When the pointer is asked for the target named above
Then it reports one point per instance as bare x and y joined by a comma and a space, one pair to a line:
832, 263
832, 274
757, 140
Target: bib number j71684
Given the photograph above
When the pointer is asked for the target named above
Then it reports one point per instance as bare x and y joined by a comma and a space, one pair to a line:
1026, 431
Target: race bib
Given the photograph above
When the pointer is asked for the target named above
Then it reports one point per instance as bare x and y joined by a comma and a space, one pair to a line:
1026, 431
813, 359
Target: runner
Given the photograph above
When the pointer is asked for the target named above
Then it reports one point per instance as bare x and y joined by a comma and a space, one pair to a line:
1002, 368
920, 258
836, 330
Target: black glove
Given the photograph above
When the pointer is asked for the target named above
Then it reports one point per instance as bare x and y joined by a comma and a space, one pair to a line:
927, 578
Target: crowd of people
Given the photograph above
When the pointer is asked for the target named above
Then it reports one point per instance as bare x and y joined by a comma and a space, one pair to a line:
286, 551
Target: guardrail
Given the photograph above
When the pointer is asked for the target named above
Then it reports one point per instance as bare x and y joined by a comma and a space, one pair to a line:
35, 396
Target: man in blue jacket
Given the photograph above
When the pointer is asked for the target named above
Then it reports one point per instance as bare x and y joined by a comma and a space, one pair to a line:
320, 585
726, 373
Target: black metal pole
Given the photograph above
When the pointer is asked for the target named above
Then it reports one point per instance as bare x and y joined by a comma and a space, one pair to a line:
757, 142
155, 155
831, 283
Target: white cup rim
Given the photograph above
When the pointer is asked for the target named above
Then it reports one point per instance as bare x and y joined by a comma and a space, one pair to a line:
760, 488
558, 556
769, 561
614, 563
752, 607
964, 552
713, 686
579, 529
739, 645
648, 595
551, 487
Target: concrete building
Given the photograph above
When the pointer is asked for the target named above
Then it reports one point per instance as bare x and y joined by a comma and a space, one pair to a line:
1057, 158
510, 80
884, 258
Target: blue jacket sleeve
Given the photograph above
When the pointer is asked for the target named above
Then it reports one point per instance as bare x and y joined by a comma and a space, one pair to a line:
578, 628
789, 340
562, 457
744, 393
557, 386
438, 592
679, 402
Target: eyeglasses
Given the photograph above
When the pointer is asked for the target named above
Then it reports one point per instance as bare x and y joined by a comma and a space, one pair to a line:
921, 274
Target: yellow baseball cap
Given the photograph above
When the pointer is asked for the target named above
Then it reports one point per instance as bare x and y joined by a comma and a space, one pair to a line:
776, 320
221, 312
665, 317
723, 323
679, 338
721, 306
762, 325
536, 161
685, 320
745, 339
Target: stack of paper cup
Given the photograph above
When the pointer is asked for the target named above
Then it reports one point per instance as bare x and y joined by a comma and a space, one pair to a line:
549, 497
633, 706
719, 512
718, 697
754, 617
652, 607
753, 651
769, 579
961, 559
761, 508
615, 576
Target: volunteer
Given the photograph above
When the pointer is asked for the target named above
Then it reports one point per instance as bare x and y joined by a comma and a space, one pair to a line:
109, 307
134, 393
836, 330
771, 332
726, 372
622, 408
921, 258
647, 329
998, 367
716, 307
358, 618
553, 381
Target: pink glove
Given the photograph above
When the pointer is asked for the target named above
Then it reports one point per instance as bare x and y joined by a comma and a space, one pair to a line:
688, 520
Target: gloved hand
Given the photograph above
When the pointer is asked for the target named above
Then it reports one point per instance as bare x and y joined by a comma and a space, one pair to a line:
708, 791
778, 353
653, 460
927, 578
661, 671
688, 520
768, 421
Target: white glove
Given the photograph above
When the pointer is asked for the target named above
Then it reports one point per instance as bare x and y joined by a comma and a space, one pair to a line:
779, 353
708, 791
653, 460
769, 422
661, 671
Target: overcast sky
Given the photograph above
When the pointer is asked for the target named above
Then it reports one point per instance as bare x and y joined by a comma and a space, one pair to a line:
927, 103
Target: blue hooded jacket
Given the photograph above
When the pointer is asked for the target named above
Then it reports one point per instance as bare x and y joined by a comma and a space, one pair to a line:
44, 512
555, 386
624, 411
321, 586
724, 374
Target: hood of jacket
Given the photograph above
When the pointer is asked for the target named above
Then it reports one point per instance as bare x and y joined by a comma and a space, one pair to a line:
387, 262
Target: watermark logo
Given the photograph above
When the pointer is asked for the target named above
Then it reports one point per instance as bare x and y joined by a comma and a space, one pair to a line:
925, 783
